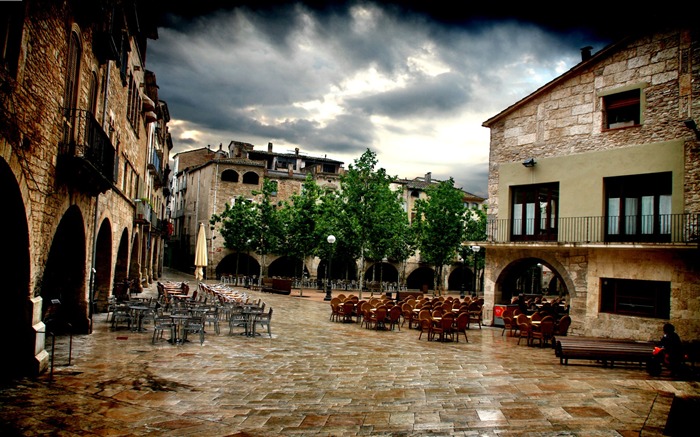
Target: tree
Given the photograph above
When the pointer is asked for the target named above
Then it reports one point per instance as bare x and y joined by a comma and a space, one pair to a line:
474, 230
298, 218
371, 212
237, 225
439, 225
268, 232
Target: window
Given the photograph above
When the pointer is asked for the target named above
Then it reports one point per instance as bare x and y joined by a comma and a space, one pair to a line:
251, 178
632, 297
70, 93
638, 207
92, 96
10, 36
535, 211
133, 106
622, 109
328, 168
229, 176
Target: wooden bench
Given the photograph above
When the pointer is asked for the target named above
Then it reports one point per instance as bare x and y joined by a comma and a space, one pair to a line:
277, 286
606, 350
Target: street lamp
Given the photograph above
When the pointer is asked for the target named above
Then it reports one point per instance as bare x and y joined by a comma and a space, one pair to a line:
463, 287
381, 277
476, 250
331, 240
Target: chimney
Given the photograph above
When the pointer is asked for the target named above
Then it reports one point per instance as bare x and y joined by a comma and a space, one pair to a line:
296, 151
428, 176
586, 53
269, 147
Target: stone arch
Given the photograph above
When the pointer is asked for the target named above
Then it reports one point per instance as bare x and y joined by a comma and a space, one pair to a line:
461, 276
287, 267
229, 175
121, 266
247, 265
251, 178
103, 265
63, 283
134, 261
420, 278
15, 271
384, 271
513, 278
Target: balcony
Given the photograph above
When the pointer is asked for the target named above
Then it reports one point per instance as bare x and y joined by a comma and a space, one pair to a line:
143, 212
677, 229
85, 154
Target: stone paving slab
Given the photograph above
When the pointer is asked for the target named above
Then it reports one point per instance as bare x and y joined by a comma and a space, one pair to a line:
318, 377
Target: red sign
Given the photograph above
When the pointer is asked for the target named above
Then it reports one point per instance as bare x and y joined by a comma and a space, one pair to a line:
498, 311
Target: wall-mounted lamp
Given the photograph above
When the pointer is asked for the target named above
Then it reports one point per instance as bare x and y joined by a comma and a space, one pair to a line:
690, 124
529, 162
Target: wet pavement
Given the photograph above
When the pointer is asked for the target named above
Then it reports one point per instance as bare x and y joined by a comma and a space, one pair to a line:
320, 377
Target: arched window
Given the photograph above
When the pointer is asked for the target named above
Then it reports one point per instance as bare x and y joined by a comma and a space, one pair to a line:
415, 193
70, 93
229, 176
251, 178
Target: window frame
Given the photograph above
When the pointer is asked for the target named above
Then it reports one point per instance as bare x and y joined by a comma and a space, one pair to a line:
625, 104
643, 207
528, 223
635, 297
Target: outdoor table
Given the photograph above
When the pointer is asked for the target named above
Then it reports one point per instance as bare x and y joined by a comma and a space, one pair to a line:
178, 320
139, 310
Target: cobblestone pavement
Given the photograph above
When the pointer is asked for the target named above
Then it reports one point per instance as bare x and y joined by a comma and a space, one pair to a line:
318, 377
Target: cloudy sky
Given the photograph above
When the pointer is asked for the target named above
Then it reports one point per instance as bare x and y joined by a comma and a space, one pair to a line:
410, 83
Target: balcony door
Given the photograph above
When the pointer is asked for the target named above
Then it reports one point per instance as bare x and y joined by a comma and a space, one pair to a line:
535, 212
70, 94
638, 207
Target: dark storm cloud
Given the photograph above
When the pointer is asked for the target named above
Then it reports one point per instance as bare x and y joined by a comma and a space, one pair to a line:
339, 77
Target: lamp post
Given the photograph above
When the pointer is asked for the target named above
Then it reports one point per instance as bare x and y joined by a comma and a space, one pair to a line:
381, 278
476, 250
463, 287
331, 240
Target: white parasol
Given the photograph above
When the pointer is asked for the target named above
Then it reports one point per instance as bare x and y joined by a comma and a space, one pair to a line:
200, 253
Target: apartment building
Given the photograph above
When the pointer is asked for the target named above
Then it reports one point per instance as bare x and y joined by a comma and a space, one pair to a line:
595, 181
83, 158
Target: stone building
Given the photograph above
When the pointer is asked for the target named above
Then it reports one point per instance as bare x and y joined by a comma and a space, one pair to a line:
83, 158
204, 180
594, 179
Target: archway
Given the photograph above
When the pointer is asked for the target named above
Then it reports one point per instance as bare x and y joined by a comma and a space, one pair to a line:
422, 278
287, 267
382, 271
531, 277
134, 263
340, 269
461, 276
103, 266
63, 283
122, 262
247, 265
19, 345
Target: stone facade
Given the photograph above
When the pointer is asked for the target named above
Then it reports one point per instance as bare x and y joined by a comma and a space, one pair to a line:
205, 180
74, 143
566, 127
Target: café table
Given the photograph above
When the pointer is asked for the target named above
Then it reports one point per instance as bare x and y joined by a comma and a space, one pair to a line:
138, 310
179, 321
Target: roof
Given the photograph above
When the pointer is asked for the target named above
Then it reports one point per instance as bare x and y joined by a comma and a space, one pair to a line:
575, 70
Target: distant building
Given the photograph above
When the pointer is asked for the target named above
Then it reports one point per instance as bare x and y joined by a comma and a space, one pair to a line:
595, 182
204, 180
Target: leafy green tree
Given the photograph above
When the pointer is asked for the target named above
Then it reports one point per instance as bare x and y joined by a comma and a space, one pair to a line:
371, 213
474, 231
237, 225
439, 225
298, 219
268, 232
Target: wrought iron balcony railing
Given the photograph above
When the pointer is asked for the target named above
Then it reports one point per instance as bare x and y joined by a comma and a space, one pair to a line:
662, 228
86, 153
